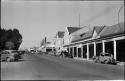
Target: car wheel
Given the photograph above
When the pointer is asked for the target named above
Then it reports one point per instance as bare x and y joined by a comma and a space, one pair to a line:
8, 60
114, 61
1, 60
16, 59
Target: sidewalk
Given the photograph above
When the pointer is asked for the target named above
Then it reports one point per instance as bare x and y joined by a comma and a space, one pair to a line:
82, 59
90, 60
119, 63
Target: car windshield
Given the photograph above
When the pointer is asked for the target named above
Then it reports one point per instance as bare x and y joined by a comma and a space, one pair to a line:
107, 55
14, 51
4, 52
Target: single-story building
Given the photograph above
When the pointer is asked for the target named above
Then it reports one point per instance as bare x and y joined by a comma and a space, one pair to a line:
109, 39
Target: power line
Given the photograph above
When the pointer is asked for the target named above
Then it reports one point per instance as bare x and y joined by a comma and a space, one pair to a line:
119, 13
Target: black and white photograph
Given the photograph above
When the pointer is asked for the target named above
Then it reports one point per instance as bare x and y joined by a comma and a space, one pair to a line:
68, 40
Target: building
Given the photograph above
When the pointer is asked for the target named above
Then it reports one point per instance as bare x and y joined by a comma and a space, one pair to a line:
99, 39
59, 41
47, 45
68, 36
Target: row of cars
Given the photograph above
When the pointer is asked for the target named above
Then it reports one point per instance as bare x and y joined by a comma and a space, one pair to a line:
11, 55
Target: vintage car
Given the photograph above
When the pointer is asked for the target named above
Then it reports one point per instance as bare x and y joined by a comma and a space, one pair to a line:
10, 55
105, 58
66, 54
21, 52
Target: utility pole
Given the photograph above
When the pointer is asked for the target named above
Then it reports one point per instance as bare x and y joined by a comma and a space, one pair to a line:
89, 27
79, 20
119, 12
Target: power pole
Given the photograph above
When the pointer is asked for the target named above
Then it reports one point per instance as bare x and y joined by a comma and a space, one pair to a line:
89, 27
79, 20
119, 13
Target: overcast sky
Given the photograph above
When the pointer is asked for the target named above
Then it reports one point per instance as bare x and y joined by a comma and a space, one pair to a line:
37, 19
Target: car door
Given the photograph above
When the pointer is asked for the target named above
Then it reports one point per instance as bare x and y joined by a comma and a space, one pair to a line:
101, 58
107, 57
4, 55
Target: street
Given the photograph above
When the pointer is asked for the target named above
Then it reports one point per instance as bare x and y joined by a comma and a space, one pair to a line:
44, 67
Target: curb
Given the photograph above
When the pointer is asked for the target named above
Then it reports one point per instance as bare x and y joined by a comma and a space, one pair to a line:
121, 63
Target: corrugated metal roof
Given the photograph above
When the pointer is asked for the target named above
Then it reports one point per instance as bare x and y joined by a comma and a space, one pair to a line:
103, 31
83, 36
113, 30
80, 31
75, 38
87, 35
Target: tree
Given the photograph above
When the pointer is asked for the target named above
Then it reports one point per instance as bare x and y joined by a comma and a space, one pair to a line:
17, 38
7, 37
9, 45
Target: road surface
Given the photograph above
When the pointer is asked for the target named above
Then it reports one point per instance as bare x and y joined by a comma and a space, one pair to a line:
43, 67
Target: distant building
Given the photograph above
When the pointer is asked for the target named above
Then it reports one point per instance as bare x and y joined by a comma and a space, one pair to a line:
47, 45
59, 41
67, 34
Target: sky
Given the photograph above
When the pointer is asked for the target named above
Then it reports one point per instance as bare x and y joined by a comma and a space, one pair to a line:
37, 19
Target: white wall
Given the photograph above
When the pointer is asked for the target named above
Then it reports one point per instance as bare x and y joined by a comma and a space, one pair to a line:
66, 37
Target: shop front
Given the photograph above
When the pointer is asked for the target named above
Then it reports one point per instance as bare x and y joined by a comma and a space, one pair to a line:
120, 50
91, 51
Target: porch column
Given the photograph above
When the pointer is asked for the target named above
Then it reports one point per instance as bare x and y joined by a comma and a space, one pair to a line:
87, 51
94, 49
69, 50
103, 46
52, 49
73, 51
77, 52
82, 51
115, 49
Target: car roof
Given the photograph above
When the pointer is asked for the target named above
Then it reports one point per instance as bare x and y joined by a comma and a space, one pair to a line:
105, 53
9, 50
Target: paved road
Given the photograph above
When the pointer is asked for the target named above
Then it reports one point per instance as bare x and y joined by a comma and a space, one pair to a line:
42, 67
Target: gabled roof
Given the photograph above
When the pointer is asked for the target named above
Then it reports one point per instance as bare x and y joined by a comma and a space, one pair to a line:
60, 34
73, 29
98, 29
113, 30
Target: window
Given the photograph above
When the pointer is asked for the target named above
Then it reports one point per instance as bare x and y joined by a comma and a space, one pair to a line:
14, 51
5, 52
107, 55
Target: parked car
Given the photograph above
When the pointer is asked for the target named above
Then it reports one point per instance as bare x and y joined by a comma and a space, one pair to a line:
66, 54
10, 55
32, 51
21, 52
105, 58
